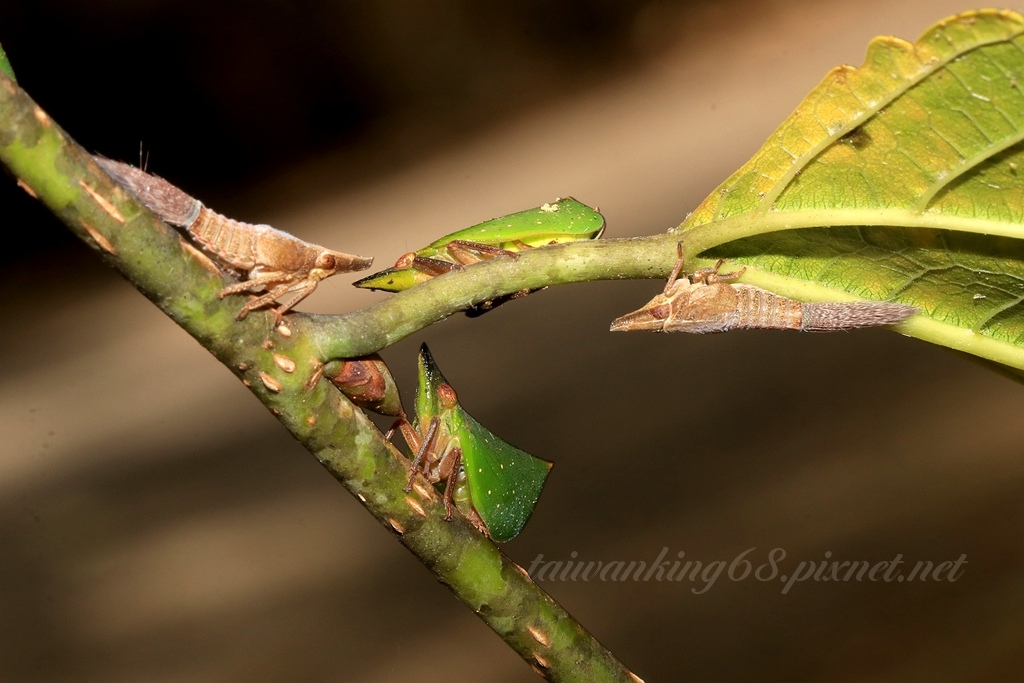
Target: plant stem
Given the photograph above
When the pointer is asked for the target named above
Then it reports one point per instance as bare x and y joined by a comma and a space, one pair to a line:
375, 327
277, 366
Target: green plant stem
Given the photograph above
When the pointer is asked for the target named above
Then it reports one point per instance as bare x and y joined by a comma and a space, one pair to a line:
375, 327
277, 367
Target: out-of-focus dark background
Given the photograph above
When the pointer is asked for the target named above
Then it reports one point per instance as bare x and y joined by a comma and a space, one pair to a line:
157, 524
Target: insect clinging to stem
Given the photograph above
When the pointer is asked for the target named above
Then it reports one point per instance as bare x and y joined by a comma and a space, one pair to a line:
367, 382
564, 220
493, 483
707, 302
281, 266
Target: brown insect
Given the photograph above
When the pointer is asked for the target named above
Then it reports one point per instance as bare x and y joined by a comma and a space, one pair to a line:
282, 266
367, 382
705, 302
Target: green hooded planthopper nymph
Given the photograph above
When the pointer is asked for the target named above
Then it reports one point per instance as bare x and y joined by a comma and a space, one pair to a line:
493, 483
562, 221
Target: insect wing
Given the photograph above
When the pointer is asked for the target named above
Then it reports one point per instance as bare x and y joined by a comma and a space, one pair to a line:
709, 308
504, 481
565, 220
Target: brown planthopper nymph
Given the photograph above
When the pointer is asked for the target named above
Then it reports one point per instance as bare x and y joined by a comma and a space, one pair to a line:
282, 266
706, 302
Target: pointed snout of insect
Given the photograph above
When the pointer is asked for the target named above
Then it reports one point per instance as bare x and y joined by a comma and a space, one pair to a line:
641, 320
351, 262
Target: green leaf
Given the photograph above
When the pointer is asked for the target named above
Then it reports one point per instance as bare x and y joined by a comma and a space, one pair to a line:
900, 180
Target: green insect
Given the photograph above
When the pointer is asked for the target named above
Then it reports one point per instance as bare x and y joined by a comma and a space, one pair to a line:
565, 220
492, 482
5, 65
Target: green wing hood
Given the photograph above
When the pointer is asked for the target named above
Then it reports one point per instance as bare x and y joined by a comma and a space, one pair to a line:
564, 220
504, 481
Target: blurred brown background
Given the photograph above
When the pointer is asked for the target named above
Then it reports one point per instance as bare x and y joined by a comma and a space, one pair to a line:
156, 524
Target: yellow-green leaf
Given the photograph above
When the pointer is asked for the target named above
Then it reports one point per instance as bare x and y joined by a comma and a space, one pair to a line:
900, 180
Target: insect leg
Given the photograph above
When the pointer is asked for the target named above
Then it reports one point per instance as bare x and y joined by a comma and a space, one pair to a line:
465, 252
255, 284
715, 277
674, 275
298, 292
261, 301
449, 487
315, 377
403, 425
429, 440
711, 276
432, 266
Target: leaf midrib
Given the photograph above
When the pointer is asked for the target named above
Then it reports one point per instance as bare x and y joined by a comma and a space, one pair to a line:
709, 235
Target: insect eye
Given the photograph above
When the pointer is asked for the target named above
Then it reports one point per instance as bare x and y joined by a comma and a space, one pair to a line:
327, 261
660, 312
447, 396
